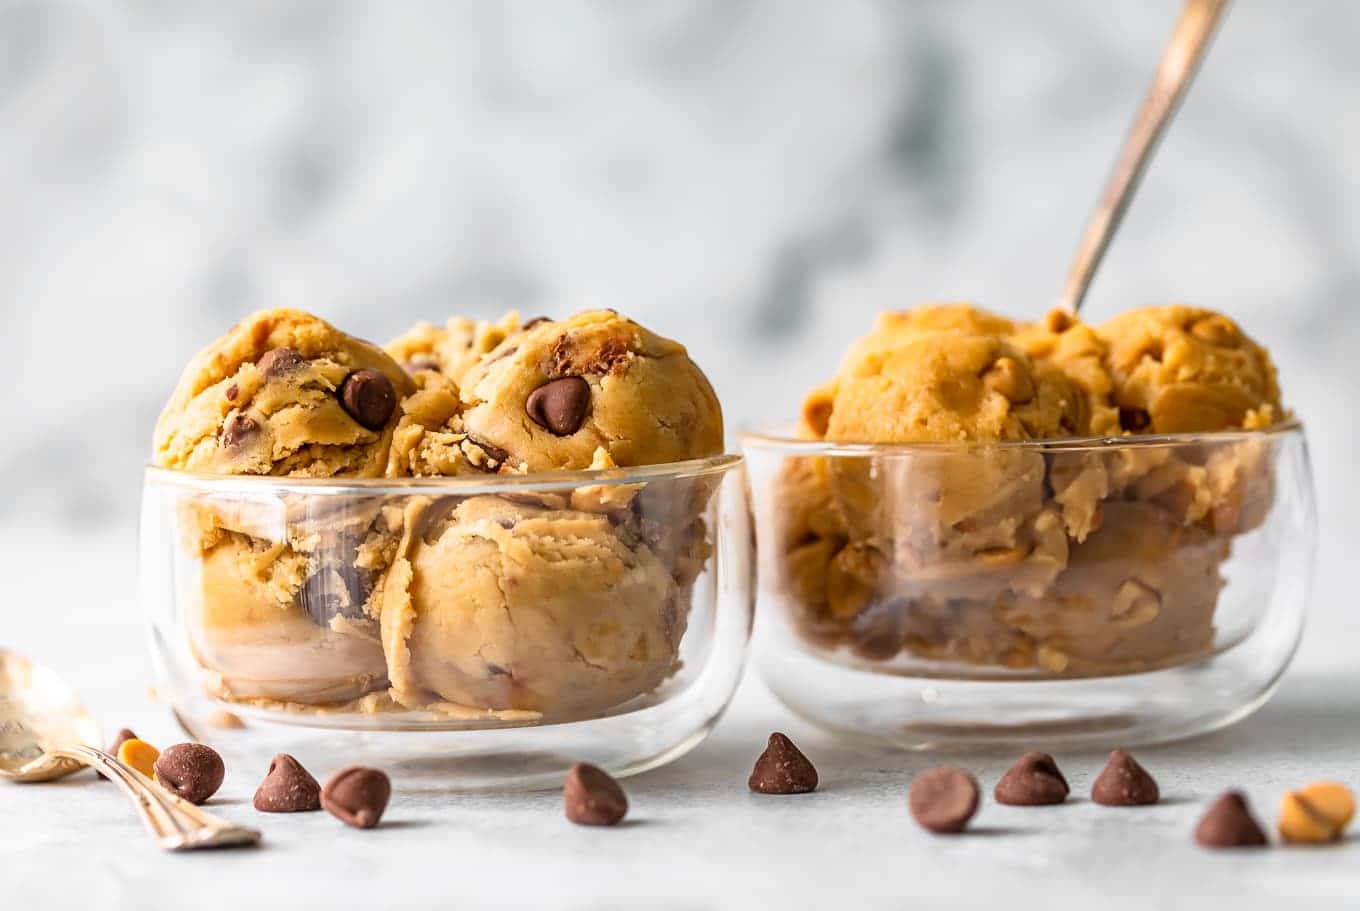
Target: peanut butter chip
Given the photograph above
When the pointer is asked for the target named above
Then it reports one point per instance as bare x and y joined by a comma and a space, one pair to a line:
139, 755
1316, 814
1228, 823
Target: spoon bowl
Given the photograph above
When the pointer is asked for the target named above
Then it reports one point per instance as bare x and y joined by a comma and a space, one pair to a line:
39, 712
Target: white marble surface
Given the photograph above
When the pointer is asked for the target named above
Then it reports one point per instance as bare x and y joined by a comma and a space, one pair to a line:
696, 837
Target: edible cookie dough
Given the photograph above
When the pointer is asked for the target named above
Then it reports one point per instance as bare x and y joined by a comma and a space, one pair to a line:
1088, 561
283, 393
451, 349
507, 606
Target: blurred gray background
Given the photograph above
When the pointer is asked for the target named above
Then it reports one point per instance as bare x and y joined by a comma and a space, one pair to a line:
755, 178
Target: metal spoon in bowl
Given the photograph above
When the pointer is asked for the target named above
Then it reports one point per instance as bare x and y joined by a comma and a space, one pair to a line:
46, 734
1180, 60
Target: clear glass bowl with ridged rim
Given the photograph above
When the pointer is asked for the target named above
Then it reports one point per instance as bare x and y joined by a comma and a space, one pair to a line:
482, 632
1078, 592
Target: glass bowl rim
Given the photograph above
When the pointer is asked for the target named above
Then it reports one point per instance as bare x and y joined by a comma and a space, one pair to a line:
467, 485
764, 440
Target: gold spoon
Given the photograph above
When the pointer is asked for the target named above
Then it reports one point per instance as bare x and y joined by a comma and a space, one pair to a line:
1180, 60
46, 734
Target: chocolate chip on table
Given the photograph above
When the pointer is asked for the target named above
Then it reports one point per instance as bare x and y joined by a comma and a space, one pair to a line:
1034, 781
1124, 783
287, 788
591, 797
239, 428
357, 796
943, 799
559, 406
1228, 823
123, 736
277, 361
194, 771
368, 397
782, 769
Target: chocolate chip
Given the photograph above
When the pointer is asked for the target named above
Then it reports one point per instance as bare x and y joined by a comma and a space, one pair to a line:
277, 361
559, 406
1124, 783
124, 734
232, 392
1134, 419
536, 321
287, 788
782, 769
1228, 823
333, 590
194, 771
1034, 781
357, 796
238, 429
592, 798
943, 799
368, 397
421, 362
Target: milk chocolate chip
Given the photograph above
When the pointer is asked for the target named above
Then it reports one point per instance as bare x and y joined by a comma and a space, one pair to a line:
278, 361
124, 735
943, 799
194, 771
287, 788
357, 796
782, 769
333, 590
1228, 823
368, 397
591, 797
559, 406
1124, 783
238, 429
1034, 781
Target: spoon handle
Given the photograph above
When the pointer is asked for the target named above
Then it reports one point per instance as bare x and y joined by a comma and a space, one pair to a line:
1179, 62
176, 824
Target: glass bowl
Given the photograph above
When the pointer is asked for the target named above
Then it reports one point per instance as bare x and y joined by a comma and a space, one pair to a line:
489, 631
1082, 592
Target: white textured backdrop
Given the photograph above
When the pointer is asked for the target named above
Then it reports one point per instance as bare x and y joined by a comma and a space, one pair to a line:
753, 177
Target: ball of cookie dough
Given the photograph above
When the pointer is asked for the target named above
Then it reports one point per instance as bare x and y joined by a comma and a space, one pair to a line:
496, 605
283, 393
453, 348
556, 394
269, 626
945, 386
1078, 351
1179, 369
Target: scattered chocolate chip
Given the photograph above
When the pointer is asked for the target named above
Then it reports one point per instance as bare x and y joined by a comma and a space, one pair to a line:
239, 428
368, 397
124, 735
1034, 781
559, 406
194, 771
357, 796
232, 392
536, 321
333, 590
592, 798
1134, 419
277, 361
782, 769
943, 799
1124, 783
1228, 823
287, 788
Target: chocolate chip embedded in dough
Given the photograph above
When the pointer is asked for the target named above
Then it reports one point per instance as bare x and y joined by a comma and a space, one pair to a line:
369, 398
536, 321
333, 591
1134, 419
238, 429
559, 406
1034, 781
232, 392
277, 361
1124, 783
782, 769
421, 362
591, 797
1228, 823
287, 788
943, 799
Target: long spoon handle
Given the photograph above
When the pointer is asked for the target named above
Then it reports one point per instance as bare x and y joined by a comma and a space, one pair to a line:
1179, 63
